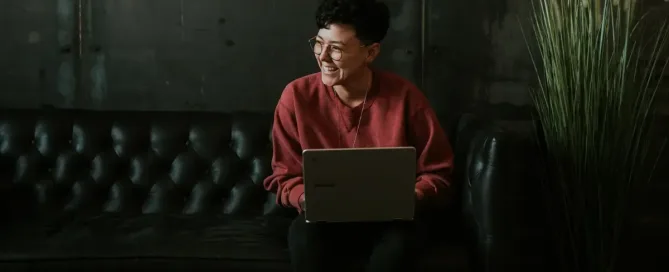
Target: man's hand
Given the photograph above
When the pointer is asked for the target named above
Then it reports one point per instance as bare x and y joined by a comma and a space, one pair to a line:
303, 204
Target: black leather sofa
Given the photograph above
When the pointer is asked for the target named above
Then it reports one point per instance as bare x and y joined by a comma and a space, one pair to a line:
183, 190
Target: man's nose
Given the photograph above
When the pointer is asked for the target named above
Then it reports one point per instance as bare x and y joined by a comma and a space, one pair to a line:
325, 54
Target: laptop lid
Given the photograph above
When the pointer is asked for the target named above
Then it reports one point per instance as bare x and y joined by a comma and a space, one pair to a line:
359, 184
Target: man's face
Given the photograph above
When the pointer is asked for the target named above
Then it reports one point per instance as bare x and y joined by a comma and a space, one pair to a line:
342, 56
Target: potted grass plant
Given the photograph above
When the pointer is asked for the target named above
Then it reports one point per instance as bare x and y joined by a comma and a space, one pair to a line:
595, 102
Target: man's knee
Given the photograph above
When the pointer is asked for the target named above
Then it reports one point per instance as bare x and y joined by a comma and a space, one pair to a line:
400, 239
394, 251
309, 249
397, 244
297, 234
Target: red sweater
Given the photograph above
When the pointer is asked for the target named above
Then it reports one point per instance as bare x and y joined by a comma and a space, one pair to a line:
309, 115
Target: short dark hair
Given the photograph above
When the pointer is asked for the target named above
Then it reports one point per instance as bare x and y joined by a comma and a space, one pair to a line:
369, 18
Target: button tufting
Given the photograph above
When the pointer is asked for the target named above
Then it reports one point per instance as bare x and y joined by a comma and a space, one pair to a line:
132, 161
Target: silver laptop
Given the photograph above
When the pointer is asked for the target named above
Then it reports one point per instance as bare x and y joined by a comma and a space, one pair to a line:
359, 184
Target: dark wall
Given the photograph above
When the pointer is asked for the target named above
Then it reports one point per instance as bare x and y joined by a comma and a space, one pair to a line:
171, 54
476, 56
238, 55
225, 55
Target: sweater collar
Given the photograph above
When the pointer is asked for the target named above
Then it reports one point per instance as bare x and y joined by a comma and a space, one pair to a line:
351, 115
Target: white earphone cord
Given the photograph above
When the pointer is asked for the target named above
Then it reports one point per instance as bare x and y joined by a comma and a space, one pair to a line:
357, 129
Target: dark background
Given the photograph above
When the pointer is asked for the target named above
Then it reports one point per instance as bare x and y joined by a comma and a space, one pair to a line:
237, 55
225, 55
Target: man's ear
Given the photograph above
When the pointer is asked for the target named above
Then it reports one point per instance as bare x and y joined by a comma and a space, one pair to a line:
373, 51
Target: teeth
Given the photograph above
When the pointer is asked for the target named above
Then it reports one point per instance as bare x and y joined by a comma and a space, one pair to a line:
330, 69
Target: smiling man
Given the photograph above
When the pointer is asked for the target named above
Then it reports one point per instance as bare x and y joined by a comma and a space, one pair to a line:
350, 104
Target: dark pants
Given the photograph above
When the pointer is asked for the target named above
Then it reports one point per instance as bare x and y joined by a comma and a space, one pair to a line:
324, 247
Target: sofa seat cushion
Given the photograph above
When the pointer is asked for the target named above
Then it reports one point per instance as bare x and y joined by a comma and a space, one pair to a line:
147, 236
110, 241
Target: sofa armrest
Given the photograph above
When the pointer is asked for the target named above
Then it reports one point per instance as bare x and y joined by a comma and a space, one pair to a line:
502, 201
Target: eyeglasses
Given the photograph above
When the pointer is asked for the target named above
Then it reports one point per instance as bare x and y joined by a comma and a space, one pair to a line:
317, 47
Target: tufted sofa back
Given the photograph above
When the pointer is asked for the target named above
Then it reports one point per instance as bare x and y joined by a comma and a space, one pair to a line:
135, 162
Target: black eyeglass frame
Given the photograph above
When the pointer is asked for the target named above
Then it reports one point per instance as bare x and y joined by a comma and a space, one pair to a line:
312, 44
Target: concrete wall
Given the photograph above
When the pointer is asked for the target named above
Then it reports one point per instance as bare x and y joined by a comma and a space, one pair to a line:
224, 55
238, 55
171, 54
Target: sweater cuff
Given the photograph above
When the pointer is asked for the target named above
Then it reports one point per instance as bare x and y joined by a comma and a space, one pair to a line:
421, 188
295, 195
